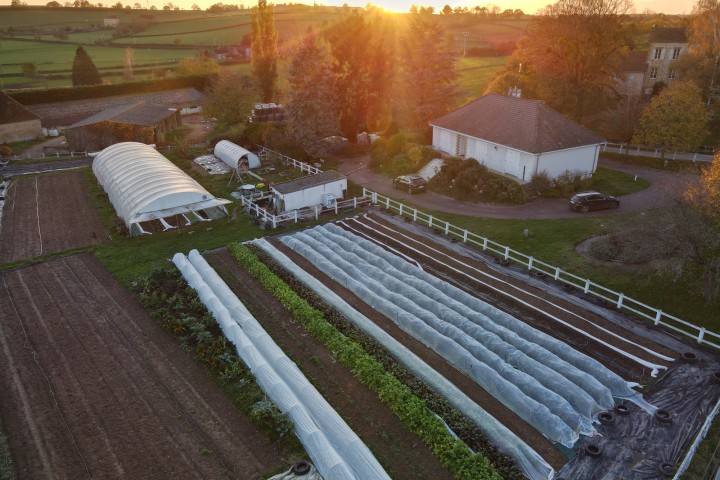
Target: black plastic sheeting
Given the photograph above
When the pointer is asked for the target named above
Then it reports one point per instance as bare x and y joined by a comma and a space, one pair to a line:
635, 444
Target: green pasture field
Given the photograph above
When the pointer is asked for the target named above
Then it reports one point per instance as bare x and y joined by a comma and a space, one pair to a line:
475, 74
52, 18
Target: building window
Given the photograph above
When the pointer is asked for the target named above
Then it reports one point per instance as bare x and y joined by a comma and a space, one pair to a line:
671, 74
676, 53
658, 53
653, 72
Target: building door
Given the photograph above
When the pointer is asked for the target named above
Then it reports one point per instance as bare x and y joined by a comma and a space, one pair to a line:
461, 146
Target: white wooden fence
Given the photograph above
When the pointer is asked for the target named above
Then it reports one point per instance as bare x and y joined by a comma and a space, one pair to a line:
644, 151
619, 300
304, 167
250, 205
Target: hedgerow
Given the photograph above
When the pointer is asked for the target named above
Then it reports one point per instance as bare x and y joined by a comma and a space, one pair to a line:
413, 411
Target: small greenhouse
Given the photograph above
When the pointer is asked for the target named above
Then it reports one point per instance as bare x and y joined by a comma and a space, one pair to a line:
235, 156
149, 192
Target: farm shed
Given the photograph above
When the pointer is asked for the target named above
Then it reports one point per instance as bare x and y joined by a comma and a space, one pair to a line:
138, 122
303, 192
235, 156
17, 123
144, 186
517, 137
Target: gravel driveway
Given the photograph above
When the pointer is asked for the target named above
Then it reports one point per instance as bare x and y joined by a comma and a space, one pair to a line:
654, 196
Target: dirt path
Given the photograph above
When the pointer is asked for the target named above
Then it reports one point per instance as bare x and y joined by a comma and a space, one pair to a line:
47, 214
654, 196
94, 389
401, 453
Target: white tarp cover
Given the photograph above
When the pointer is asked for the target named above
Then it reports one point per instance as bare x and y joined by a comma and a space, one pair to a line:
144, 185
551, 386
232, 154
529, 461
335, 449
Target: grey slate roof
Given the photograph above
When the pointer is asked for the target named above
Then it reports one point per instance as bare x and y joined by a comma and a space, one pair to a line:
136, 114
308, 181
526, 125
12, 111
668, 35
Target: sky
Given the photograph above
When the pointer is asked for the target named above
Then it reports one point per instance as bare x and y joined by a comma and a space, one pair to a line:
527, 6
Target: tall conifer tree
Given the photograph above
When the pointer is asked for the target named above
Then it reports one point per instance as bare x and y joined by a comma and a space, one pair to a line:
84, 71
263, 46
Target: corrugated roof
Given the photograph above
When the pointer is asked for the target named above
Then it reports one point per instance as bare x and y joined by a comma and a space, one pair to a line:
668, 35
12, 111
635, 62
307, 182
526, 125
145, 114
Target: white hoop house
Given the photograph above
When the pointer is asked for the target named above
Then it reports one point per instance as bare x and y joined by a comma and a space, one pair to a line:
144, 186
234, 155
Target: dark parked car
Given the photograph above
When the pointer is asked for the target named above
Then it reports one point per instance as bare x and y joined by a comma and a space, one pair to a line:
413, 183
586, 201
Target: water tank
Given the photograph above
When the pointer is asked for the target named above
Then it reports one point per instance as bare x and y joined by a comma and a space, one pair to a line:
328, 200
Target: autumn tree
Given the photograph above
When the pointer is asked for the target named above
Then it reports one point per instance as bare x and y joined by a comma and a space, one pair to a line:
574, 49
428, 70
84, 71
676, 119
313, 105
700, 63
263, 46
202, 64
230, 98
363, 46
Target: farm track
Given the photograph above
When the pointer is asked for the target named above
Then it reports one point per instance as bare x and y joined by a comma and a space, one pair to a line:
48, 214
402, 453
577, 326
496, 408
97, 390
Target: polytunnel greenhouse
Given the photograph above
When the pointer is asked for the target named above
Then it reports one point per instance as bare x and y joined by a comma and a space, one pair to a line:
147, 188
235, 156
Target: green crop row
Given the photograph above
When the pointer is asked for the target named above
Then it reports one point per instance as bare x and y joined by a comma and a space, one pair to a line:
412, 410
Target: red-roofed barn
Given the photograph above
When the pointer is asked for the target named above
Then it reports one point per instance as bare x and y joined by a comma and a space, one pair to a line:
517, 137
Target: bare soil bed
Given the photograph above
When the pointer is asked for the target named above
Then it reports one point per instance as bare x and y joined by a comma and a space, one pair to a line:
50, 213
92, 388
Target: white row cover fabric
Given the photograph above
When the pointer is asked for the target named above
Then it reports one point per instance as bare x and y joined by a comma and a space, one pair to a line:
144, 185
527, 459
335, 449
233, 154
551, 392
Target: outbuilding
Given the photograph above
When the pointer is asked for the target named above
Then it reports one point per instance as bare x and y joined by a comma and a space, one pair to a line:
138, 122
322, 188
236, 156
149, 192
517, 137
17, 123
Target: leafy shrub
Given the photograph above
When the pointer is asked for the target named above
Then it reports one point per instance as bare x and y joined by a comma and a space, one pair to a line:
539, 183
569, 182
603, 249
467, 180
397, 155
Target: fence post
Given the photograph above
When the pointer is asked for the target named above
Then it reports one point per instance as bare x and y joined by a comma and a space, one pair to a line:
701, 335
484, 243
447, 227
620, 301
587, 286
557, 273
296, 220
465, 233
387, 203
530, 262
336, 207
430, 221
400, 211
355, 199
507, 252
274, 219
414, 214
658, 315
316, 212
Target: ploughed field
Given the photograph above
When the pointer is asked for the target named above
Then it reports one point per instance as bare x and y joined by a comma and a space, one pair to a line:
92, 388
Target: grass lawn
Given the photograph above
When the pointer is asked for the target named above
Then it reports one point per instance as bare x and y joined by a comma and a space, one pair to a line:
475, 74
613, 182
656, 163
